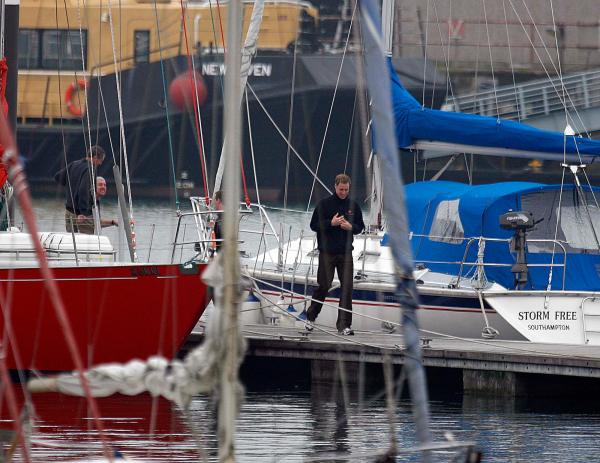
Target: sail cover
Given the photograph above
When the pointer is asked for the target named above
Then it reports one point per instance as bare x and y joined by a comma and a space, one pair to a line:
422, 128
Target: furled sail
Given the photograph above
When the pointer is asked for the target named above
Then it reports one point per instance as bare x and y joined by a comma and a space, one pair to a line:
441, 131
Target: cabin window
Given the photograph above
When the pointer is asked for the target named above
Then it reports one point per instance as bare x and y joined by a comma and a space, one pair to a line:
446, 226
29, 49
575, 224
52, 49
574, 230
141, 39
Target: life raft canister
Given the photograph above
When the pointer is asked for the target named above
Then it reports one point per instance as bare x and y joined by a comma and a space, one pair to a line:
72, 90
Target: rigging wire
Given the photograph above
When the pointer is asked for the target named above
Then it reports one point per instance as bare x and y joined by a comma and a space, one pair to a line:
487, 31
512, 66
199, 138
281, 134
166, 99
332, 103
534, 48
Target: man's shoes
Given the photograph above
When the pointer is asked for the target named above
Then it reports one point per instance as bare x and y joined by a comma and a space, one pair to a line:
309, 326
346, 332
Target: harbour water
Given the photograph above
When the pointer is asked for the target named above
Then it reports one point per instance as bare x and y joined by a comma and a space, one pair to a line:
283, 421
311, 425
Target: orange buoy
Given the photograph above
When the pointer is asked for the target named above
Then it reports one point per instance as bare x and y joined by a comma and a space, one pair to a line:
72, 90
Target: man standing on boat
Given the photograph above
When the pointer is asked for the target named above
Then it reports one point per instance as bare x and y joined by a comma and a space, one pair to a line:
336, 220
79, 179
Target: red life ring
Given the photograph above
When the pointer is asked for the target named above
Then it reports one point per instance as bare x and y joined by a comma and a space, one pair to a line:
72, 89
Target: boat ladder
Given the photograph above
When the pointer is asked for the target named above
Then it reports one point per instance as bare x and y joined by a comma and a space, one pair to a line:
590, 317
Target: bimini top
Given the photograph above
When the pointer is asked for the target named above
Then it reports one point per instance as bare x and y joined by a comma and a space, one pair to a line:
443, 216
451, 132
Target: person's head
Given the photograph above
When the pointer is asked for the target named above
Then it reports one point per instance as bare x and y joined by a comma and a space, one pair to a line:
100, 187
96, 154
219, 200
342, 185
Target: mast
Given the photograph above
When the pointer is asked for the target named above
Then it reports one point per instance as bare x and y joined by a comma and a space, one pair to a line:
232, 121
406, 291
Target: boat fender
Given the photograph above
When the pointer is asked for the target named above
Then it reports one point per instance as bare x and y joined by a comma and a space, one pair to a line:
72, 90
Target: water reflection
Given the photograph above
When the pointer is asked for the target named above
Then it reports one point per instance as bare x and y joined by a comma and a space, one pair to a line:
306, 425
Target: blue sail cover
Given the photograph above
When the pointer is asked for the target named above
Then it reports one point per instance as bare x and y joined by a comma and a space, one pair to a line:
415, 123
455, 212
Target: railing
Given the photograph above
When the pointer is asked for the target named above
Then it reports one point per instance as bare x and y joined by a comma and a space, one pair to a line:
204, 216
532, 99
481, 264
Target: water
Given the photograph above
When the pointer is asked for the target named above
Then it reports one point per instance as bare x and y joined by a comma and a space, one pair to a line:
155, 226
297, 425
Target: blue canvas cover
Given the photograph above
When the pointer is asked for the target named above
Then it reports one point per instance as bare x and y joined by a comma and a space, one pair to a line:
479, 208
416, 123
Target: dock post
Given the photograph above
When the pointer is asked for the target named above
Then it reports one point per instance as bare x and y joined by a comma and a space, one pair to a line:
489, 382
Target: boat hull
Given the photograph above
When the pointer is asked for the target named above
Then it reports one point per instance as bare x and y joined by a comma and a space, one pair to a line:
117, 313
443, 312
558, 317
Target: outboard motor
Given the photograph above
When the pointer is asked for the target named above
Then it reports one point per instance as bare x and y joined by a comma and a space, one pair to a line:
520, 223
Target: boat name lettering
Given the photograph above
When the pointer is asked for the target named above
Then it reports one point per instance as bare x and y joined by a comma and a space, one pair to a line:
256, 69
548, 327
145, 271
537, 315
565, 315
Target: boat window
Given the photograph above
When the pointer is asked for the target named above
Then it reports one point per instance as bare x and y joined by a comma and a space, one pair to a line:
446, 226
29, 49
141, 52
61, 49
575, 230
575, 224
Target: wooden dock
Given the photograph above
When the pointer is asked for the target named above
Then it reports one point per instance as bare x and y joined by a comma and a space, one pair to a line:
485, 366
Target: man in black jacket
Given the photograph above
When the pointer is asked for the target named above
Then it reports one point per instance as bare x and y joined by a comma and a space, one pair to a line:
336, 220
79, 179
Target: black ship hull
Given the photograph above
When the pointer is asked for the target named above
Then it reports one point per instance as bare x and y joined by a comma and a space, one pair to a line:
162, 146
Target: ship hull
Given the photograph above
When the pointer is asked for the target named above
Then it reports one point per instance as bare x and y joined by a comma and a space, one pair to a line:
164, 151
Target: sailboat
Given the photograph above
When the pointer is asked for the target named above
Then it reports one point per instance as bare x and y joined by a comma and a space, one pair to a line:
66, 303
509, 260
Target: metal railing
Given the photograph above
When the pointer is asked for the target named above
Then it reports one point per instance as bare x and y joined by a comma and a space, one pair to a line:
470, 242
532, 99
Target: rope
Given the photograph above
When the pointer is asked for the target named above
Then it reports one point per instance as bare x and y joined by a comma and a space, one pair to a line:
166, 99
196, 106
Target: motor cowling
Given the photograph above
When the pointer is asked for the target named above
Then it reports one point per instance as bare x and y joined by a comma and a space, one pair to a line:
519, 222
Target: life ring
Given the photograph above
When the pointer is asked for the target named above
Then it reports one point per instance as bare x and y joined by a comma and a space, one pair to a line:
72, 89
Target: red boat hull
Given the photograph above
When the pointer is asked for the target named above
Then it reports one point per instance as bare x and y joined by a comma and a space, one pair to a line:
117, 313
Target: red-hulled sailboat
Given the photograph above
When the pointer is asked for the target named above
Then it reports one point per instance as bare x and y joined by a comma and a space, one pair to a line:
84, 308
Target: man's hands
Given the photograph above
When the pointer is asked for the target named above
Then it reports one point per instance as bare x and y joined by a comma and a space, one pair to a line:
339, 221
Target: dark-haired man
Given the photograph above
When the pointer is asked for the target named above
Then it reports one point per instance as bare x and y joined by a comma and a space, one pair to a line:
336, 220
79, 179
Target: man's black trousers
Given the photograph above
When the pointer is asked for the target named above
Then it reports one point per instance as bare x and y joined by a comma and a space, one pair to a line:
328, 263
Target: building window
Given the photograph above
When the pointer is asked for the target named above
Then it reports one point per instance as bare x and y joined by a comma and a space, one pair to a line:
29, 49
52, 49
141, 52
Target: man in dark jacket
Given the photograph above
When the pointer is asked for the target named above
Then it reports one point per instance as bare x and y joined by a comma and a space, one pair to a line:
336, 220
79, 179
